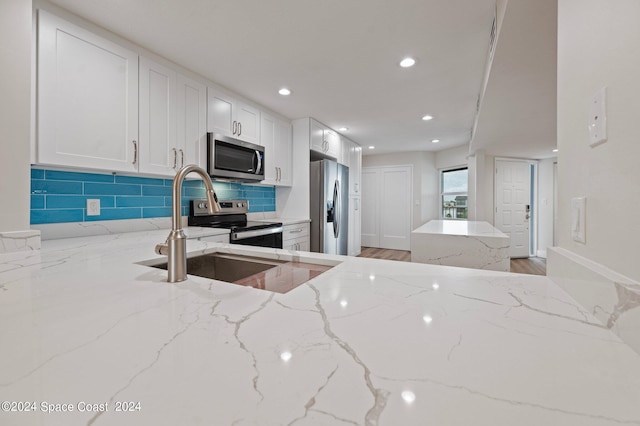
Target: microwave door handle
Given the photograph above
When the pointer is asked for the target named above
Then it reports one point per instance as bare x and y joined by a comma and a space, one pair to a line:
259, 167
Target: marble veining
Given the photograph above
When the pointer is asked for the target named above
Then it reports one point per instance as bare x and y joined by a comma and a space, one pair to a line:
19, 241
610, 297
368, 342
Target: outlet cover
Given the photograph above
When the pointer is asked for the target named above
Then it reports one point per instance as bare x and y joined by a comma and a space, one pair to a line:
93, 207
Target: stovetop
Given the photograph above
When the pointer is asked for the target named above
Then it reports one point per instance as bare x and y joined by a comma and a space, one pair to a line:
233, 216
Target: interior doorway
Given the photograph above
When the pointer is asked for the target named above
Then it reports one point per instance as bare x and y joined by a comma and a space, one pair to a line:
387, 207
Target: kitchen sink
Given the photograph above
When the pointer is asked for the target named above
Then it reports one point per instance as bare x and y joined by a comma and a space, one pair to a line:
279, 276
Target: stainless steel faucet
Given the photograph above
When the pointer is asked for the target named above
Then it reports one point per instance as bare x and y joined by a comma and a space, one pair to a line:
175, 248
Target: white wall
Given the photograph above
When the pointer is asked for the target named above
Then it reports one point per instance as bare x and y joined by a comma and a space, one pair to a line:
15, 114
425, 180
452, 157
598, 46
545, 205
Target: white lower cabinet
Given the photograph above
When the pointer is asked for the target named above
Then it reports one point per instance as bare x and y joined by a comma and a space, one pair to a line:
296, 237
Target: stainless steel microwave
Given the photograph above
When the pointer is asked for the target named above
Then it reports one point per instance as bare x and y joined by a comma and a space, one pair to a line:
233, 159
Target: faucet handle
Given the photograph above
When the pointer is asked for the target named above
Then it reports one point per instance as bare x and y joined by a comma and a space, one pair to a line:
162, 249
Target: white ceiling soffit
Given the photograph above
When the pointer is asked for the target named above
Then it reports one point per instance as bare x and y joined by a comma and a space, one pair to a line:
339, 57
518, 112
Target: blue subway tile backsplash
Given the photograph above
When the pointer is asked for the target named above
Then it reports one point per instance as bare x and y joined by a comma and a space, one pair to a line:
61, 196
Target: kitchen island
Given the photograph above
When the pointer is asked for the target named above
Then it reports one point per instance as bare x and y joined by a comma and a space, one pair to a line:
464, 243
84, 326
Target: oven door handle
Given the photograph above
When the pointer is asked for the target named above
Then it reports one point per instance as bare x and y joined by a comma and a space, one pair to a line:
243, 235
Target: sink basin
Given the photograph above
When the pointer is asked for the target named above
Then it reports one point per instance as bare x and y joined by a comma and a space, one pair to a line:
266, 274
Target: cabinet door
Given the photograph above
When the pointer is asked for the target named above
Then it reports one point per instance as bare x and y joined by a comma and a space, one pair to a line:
332, 143
355, 169
220, 117
283, 147
267, 138
87, 99
317, 137
355, 220
191, 122
345, 151
158, 152
248, 119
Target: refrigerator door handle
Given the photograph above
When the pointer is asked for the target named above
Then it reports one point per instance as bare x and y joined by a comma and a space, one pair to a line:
337, 208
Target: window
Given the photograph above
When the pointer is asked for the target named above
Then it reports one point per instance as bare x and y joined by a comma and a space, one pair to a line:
454, 185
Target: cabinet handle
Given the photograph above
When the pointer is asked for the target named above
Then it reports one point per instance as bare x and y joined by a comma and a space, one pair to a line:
235, 127
296, 231
239, 128
175, 158
181, 158
279, 174
135, 152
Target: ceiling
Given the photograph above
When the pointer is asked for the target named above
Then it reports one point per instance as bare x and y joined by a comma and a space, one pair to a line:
340, 58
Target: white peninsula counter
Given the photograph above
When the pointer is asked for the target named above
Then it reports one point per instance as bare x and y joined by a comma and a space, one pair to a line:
469, 244
90, 336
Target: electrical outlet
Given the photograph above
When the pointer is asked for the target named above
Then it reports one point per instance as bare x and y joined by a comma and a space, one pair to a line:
93, 207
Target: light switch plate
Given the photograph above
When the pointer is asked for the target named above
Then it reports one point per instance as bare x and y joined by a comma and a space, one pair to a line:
578, 219
598, 118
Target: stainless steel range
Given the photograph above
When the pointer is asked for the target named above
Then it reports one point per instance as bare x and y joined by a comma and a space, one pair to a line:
233, 216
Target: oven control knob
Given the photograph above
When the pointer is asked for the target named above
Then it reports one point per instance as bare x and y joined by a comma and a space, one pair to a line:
203, 206
240, 205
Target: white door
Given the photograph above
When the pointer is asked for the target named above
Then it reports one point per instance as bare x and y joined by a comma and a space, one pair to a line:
513, 198
386, 207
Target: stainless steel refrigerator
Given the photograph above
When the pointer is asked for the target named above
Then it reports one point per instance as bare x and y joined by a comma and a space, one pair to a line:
329, 191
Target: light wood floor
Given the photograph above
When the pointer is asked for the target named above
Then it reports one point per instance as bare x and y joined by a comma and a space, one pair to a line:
531, 266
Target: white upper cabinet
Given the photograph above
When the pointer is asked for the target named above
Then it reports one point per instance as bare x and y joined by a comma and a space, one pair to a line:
324, 140
191, 122
275, 136
345, 151
316, 141
158, 149
172, 119
231, 117
87, 99
355, 169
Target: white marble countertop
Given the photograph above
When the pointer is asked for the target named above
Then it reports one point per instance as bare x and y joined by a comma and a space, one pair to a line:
367, 342
460, 227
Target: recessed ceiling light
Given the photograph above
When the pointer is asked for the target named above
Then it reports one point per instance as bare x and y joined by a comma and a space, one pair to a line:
555, 150
284, 91
372, 147
407, 62
343, 129
427, 117
435, 141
